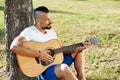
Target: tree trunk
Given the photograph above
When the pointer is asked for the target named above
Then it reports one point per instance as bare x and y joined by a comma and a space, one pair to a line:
18, 15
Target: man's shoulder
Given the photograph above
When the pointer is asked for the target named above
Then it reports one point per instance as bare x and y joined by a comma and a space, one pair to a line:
27, 30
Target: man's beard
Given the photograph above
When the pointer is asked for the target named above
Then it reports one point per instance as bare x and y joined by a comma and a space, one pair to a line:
47, 27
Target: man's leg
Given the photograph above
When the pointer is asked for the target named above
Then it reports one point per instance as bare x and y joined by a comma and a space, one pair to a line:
79, 63
63, 70
57, 72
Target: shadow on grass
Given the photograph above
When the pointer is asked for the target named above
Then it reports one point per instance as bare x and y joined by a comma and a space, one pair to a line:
63, 12
1, 8
2, 32
2, 36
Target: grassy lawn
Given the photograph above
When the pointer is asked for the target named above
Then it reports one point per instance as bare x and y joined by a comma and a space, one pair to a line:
75, 21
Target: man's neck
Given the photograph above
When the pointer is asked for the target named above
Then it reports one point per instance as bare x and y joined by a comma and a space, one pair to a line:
40, 29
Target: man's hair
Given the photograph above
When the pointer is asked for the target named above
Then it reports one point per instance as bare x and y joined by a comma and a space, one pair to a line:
40, 9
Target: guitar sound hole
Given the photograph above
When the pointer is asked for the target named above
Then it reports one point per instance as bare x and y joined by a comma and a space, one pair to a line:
51, 52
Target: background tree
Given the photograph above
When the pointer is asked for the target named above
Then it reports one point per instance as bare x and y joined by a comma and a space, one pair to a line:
18, 15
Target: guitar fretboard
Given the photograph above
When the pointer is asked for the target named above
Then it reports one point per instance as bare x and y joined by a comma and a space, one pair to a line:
72, 48
68, 49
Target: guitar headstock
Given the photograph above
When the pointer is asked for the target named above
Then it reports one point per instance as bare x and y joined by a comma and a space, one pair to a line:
94, 40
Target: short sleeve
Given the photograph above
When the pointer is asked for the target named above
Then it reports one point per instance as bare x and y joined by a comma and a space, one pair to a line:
26, 34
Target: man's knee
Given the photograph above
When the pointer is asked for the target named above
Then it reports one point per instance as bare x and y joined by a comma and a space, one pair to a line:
64, 68
61, 70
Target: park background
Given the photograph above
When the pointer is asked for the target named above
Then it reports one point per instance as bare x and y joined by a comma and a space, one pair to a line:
75, 21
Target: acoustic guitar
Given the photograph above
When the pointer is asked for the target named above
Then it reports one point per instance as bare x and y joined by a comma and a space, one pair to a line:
32, 67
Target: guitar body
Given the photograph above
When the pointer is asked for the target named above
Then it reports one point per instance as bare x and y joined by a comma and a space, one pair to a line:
32, 67
29, 65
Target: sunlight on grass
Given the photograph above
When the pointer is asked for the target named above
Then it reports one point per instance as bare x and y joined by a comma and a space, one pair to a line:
2, 57
105, 73
1, 14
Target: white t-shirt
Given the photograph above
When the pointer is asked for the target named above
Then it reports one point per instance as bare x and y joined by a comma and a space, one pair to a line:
33, 34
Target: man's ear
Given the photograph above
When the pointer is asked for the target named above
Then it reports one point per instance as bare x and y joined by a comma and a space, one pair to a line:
37, 20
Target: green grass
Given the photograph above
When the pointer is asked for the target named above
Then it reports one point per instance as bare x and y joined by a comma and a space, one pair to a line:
75, 21
2, 58
2, 32
102, 73
1, 14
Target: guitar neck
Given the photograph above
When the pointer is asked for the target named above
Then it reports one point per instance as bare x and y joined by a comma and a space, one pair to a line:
68, 49
72, 48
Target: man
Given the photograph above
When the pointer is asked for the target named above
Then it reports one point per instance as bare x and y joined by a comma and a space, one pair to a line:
42, 32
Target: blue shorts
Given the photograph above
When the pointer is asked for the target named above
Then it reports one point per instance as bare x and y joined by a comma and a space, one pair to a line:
49, 73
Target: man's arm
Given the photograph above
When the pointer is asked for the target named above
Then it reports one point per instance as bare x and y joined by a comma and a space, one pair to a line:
18, 48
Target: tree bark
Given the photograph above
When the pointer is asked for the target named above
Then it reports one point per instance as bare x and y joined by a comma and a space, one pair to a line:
18, 15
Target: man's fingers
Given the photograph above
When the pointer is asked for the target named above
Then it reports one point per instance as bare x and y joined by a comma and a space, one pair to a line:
49, 58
